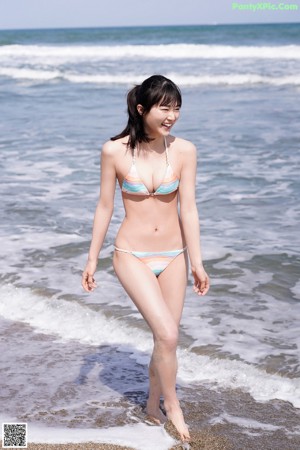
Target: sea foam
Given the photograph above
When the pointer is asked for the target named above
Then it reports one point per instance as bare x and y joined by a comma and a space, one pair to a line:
73, 53
137, 436
47, 315
238, 79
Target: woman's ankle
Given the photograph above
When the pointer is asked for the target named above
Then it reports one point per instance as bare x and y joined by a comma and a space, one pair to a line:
172, 405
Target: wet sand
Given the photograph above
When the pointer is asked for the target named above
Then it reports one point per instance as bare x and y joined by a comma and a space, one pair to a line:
82, 446
219, 419
204, 440
211, 417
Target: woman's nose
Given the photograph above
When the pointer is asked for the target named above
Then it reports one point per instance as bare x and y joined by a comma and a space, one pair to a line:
172, 114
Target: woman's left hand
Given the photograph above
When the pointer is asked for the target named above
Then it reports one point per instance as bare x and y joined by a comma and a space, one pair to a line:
201, 280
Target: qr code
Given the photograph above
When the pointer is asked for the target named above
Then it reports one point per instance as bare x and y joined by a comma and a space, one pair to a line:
14, 435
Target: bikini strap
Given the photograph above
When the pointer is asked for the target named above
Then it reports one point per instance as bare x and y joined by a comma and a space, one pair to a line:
133, 156
167, 153
118, 249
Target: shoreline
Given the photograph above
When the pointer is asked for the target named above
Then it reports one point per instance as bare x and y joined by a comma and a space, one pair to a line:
218, 420
74, 446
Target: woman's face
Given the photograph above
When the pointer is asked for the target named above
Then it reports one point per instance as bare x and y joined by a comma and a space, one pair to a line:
160, 119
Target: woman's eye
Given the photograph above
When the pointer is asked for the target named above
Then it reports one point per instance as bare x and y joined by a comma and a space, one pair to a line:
165, 108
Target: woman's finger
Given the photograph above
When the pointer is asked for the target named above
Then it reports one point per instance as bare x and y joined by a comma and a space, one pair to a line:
91, 282
201, 285
204, 286
88, 282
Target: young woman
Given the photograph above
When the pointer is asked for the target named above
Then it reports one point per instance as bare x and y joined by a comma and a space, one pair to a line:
155, 170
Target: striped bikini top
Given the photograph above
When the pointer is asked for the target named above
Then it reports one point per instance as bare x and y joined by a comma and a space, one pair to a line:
132, 183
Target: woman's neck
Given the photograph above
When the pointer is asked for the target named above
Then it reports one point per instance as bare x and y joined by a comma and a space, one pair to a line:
156, 145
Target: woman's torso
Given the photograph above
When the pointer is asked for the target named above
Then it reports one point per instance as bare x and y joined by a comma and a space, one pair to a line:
151, 222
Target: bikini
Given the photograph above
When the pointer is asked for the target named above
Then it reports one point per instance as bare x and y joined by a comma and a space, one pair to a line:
133, 184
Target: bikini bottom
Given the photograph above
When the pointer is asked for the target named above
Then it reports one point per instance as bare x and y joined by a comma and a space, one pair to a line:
156, 261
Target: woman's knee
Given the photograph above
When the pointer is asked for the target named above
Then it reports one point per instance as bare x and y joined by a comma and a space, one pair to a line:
167, 338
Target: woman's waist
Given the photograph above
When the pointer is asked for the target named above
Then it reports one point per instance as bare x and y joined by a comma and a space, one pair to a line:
153, 236
149, 220
151, 211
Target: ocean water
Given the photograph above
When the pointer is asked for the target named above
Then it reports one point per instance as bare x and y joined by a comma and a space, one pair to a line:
74, 360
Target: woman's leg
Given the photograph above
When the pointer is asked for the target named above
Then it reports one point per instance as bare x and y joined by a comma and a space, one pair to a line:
144, 289
155, 392
172, 282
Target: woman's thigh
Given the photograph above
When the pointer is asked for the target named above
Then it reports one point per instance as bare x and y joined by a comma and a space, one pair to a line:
143, 288
172, 282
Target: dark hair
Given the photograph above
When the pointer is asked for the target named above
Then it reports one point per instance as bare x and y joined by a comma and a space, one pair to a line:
155, 90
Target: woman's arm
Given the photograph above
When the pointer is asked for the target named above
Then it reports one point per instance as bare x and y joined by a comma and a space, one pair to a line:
103, 214
190, 218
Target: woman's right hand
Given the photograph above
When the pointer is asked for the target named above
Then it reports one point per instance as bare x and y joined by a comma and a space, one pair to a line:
87, 281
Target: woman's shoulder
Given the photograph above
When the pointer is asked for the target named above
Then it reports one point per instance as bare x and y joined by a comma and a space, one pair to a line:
183, 146
114, 147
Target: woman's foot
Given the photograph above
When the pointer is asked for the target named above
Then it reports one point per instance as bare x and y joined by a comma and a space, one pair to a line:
155, 413
174, 414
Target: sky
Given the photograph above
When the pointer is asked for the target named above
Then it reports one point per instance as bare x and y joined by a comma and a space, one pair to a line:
22, 14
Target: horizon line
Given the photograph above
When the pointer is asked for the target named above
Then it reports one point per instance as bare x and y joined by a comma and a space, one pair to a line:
148, 26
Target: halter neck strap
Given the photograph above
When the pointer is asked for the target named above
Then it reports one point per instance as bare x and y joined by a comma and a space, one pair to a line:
133, 155
167, 152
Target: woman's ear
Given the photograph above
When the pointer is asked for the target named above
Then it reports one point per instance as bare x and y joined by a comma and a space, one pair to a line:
140, 109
